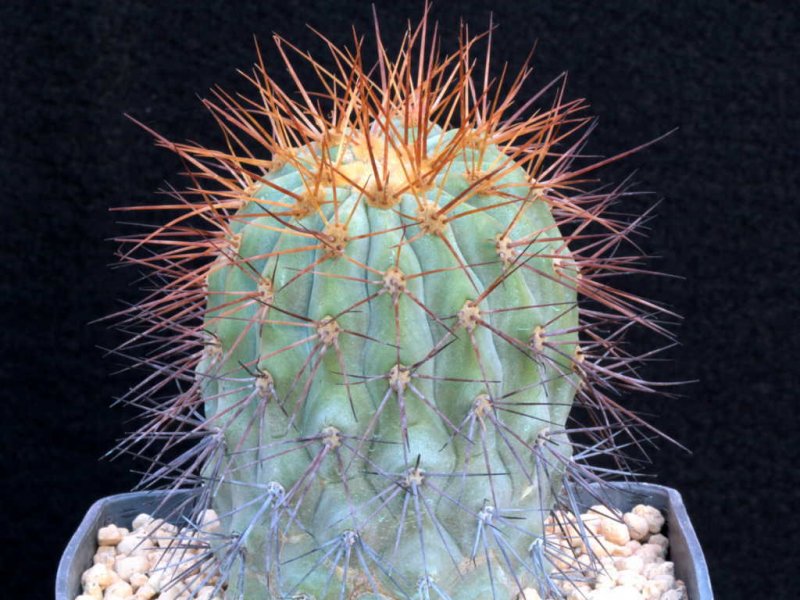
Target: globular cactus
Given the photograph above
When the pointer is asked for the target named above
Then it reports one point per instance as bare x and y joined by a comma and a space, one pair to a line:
374, 310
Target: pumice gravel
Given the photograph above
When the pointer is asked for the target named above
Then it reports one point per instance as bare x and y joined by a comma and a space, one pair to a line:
151, 560
624, 554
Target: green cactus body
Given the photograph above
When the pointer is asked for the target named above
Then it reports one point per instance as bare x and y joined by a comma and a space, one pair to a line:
372, 316
372, 382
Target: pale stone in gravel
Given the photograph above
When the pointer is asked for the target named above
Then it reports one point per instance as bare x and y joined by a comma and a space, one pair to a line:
608, 562
669, 580
152, 525
164, 536
674, 595
135, 543
131, 565
161, 577
172, 593
550, 527
618, 550
659, 549
660, 540
631, 579
110, 535
155, 559
615, 531
106, 555
146, 592
649, 552
99, 574
94, 590
653, 516
603, 511
118, 591
598, 546
591, 521
584, 563
569, 528
606, 579
529, 594
209, 522
137, 580
655, 569
562, 557
633, 546
631, 563
141, 520
654, 589
638, 526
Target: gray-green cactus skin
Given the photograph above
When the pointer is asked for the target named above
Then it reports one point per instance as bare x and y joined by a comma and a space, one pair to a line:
393, 392
373, 317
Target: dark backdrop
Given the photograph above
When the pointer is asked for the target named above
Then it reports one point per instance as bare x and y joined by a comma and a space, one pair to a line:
724, 73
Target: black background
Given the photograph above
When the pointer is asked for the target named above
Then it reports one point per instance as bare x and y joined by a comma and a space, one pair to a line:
724, 73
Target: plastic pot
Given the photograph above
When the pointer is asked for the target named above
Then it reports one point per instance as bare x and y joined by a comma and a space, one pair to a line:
685, 550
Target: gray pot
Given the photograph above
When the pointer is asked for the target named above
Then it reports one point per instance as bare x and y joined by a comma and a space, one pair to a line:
685, 551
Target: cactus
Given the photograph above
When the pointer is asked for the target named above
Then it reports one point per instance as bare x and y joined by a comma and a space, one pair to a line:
372, 313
